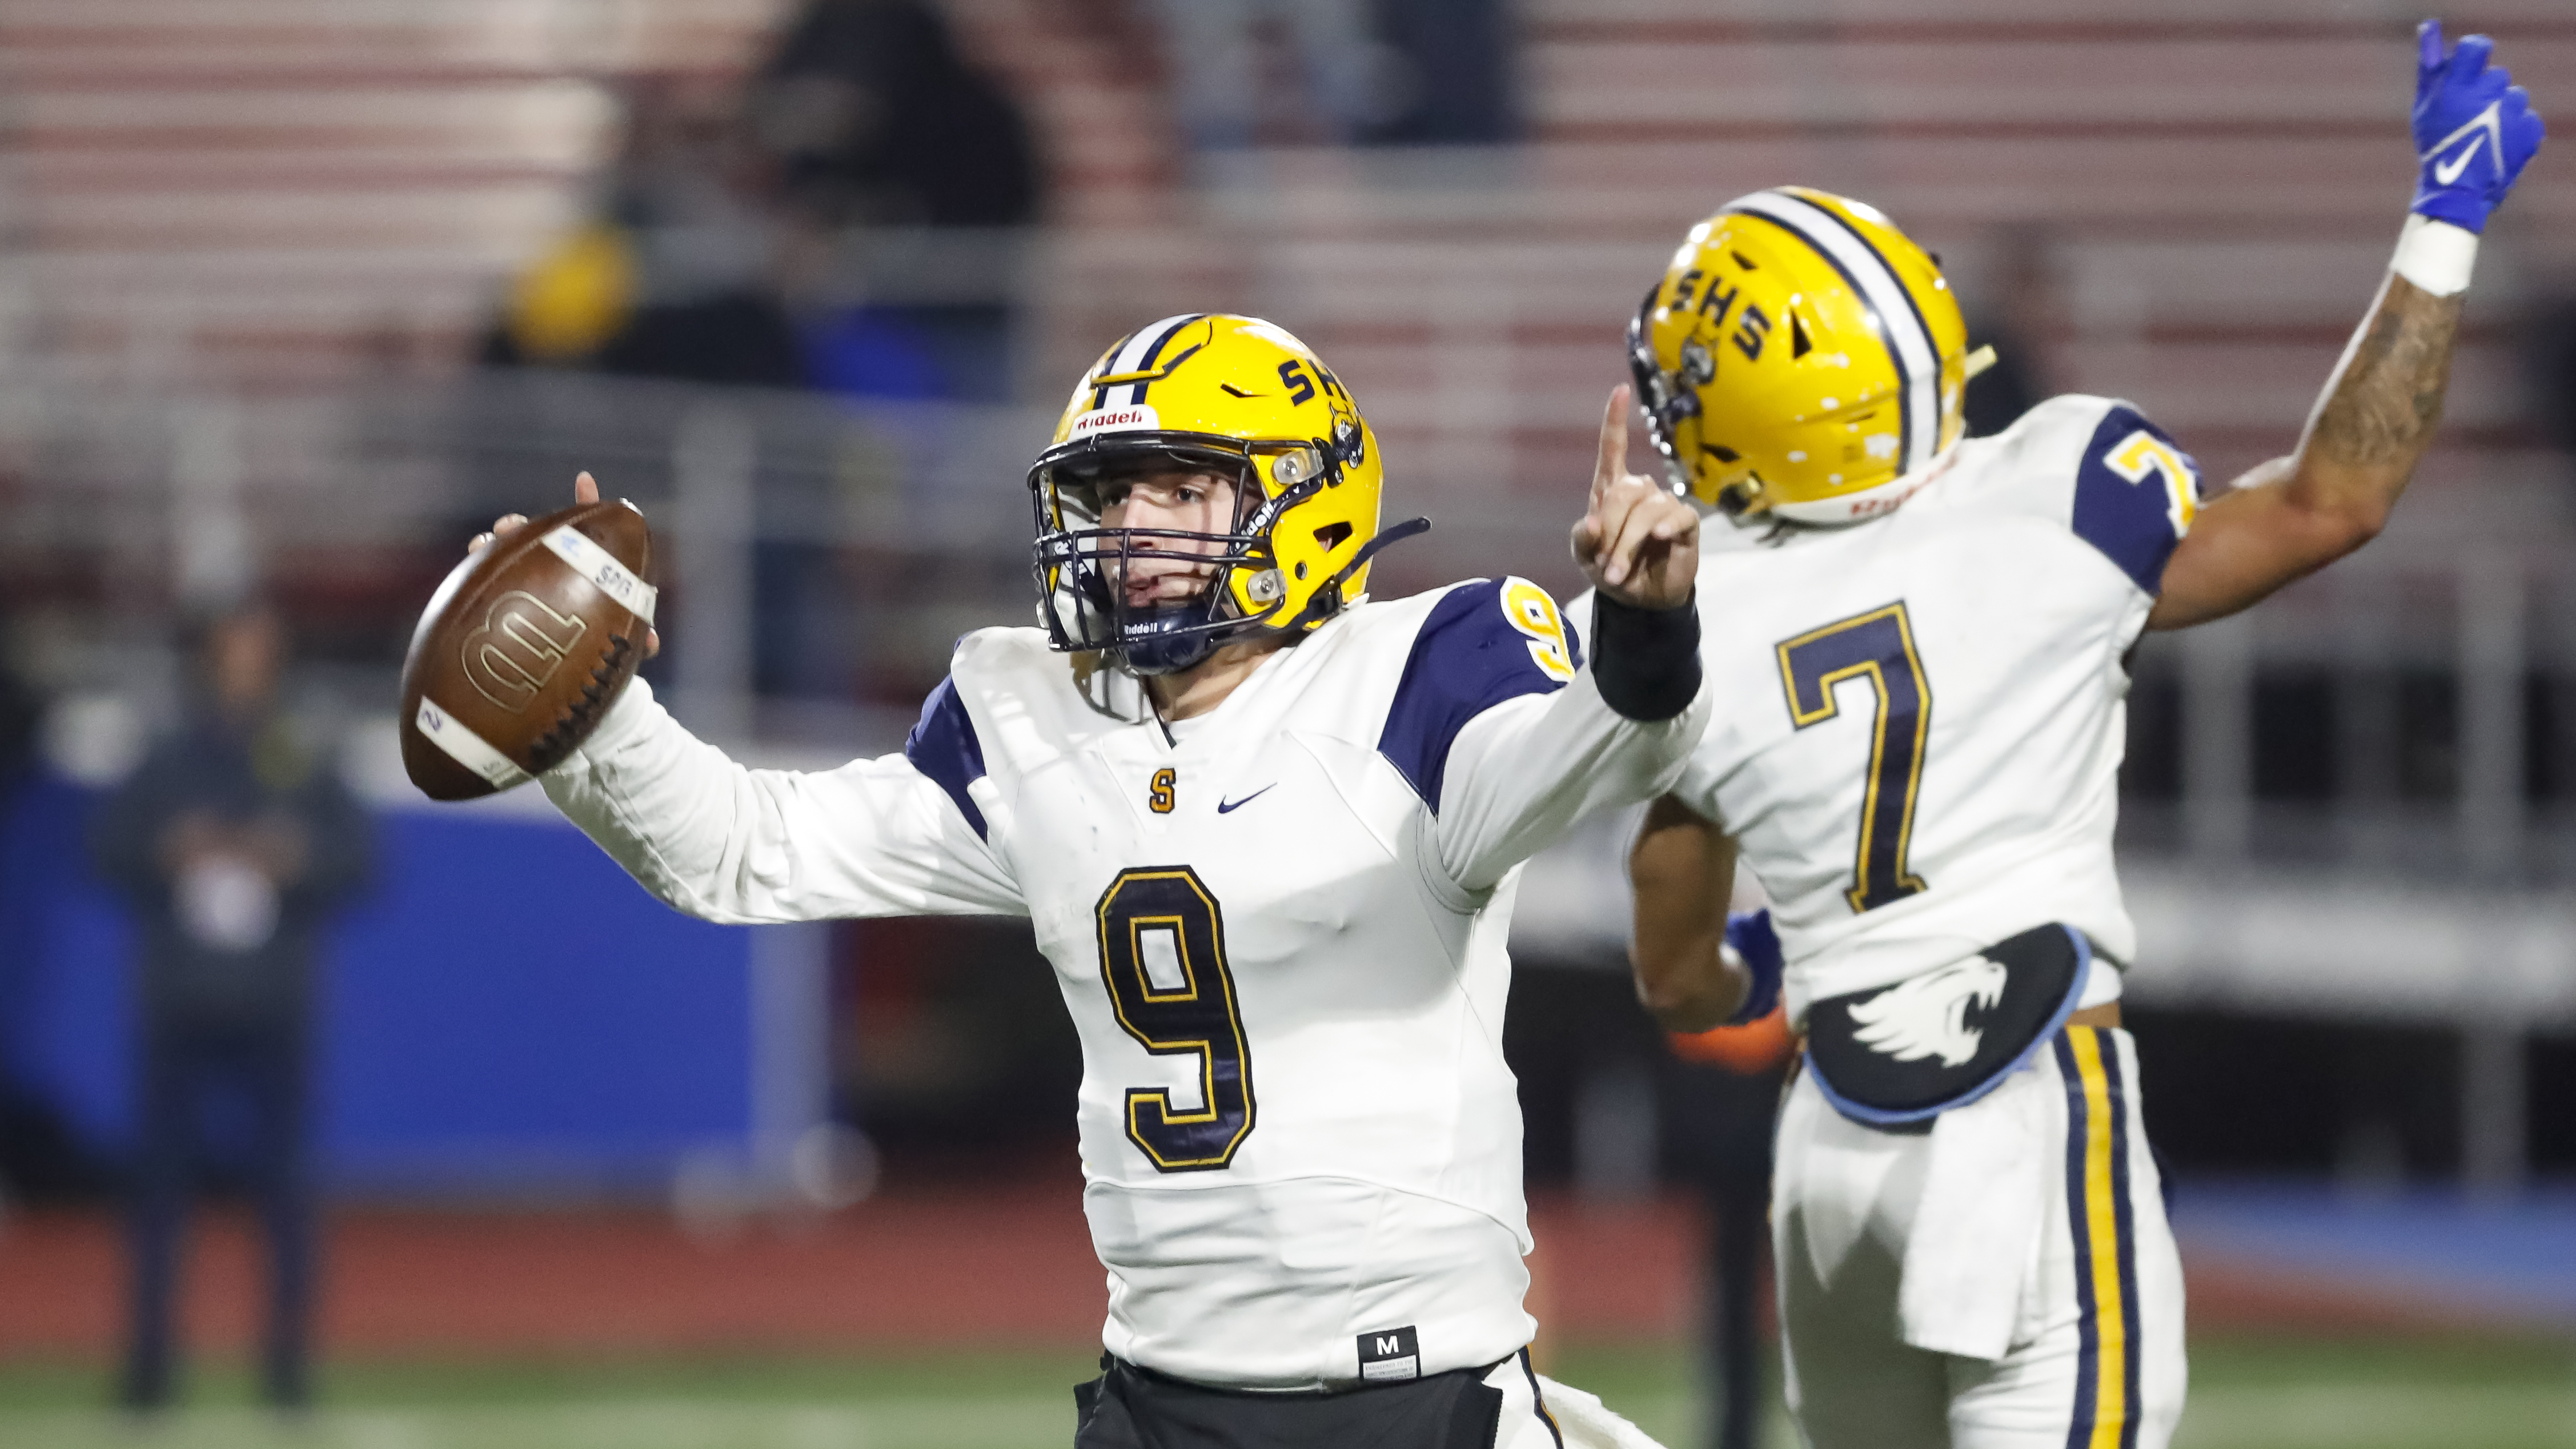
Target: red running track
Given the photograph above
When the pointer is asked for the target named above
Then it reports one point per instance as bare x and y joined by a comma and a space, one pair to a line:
1004, 1267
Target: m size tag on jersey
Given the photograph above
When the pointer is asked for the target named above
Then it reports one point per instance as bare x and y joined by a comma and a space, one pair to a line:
1911, 1051
1390, 1354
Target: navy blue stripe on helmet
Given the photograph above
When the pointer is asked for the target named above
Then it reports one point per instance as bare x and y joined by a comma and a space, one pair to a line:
1108, 365
1886, 335
1923, 327
1136, 391
1918, 403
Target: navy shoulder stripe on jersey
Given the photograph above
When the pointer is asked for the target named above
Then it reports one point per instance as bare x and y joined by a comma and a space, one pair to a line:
943, 747
2135, 494
1468, 657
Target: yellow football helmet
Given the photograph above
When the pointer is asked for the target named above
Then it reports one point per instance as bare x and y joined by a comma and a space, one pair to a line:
1240, 397
1802, 358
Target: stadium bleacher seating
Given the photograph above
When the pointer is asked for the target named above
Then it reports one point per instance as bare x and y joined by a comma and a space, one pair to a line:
276, 193
289, 196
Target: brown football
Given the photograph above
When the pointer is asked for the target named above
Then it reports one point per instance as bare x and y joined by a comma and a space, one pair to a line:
524, 646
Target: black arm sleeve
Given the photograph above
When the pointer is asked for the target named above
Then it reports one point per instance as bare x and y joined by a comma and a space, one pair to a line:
1646, 660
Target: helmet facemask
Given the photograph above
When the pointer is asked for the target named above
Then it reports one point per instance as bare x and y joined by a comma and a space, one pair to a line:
1670, 401
1081, 565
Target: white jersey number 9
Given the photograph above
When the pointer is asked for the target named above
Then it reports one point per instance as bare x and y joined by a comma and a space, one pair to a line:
1162, 955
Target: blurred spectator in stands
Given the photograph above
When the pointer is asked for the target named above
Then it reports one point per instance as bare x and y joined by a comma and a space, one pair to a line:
875, 117
914, 172
1218, 51
233, 842
1400, 72
1451, 83
2017, 312
851, 220
677, 275
1722, 1092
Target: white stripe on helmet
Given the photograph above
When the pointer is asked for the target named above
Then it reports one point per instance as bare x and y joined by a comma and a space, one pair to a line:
1909, 345
1147, 342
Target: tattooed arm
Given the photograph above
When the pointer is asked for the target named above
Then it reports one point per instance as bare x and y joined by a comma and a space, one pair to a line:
2474, 132
2292, 516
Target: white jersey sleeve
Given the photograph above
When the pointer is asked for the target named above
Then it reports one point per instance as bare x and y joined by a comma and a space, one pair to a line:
708, 836
2099, 469
1504, 732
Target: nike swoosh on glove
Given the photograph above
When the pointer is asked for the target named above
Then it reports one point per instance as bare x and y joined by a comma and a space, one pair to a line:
2474, 129
1750, 937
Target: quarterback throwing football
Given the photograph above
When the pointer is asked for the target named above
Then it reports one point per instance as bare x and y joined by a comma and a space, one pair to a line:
1924, 663
1268, 833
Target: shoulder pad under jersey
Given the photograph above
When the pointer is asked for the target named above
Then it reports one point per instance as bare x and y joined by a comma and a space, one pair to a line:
2097, 467
1484, 642
943, 747
2135, 494
943, 744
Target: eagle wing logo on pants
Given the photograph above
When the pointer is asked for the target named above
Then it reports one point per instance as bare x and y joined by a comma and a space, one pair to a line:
522, 643
1928, 1016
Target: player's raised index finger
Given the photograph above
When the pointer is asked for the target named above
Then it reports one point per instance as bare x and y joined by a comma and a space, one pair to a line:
585, 489
1612, 465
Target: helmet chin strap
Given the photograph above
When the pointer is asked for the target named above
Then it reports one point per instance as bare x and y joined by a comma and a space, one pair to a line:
1182, 648
1868, 503
1173, 651
1317, 608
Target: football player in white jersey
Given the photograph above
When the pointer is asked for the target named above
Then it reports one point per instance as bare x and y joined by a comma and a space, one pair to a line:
1921, 671
1268, 832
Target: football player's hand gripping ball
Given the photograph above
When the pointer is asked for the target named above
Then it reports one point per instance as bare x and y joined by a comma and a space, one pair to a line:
2474, 129
1636, 542
585, 489
1750, 937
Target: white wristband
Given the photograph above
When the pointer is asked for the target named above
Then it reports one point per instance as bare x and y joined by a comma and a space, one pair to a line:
2435, 255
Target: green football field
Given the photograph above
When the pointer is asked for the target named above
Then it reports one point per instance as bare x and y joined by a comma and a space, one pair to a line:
2275, 1392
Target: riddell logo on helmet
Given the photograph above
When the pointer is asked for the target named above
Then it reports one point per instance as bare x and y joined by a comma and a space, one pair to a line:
1117, 420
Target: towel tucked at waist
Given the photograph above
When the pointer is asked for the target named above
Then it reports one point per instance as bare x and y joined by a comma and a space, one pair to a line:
1971, 1247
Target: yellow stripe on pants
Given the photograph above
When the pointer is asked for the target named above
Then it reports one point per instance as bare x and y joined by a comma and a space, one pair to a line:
2102, 1218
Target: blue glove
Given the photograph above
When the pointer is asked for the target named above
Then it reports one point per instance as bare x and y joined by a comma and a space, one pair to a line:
2474, 130
1750, 933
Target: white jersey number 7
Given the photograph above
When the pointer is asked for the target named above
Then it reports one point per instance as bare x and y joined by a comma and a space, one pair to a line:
1877, 646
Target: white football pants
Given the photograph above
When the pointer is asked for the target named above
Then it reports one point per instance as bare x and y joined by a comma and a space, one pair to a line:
2090, 1336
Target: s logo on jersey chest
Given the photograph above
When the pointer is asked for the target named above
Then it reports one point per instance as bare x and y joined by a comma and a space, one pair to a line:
1160, 792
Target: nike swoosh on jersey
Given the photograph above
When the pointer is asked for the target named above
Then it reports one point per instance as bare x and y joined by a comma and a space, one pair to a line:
1223, 806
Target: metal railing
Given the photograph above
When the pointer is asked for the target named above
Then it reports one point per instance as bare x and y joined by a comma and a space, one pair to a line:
2357, 800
